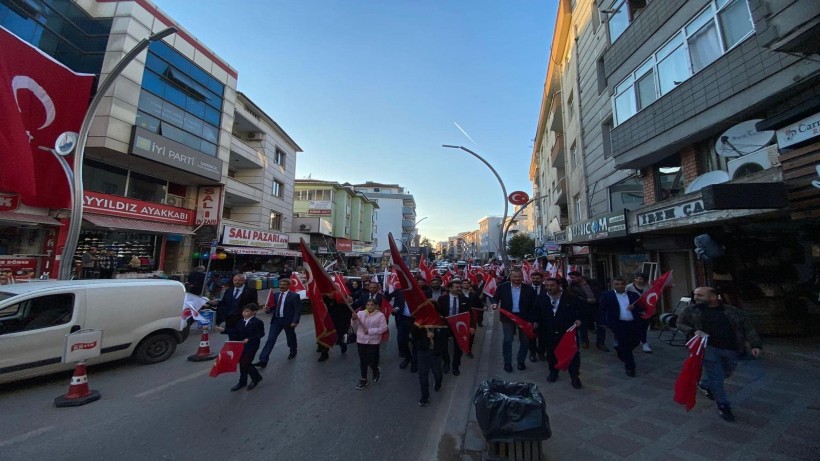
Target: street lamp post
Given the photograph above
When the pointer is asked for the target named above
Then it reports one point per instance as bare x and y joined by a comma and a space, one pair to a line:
502, 247
509, 224
75, 221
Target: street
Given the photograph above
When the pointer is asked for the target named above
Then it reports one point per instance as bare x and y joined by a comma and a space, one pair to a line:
175, 411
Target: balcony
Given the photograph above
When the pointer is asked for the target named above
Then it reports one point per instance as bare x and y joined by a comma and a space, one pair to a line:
559, 193
244, 156
408, 225
557, 154
555, 122
408, 212
238, 193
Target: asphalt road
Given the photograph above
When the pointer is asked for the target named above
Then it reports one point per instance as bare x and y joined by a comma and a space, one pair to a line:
301, 410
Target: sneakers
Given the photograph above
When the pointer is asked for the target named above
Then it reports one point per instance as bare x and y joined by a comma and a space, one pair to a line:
646, 348
706, 391
725, 412
362, 384
377, 375
424, 402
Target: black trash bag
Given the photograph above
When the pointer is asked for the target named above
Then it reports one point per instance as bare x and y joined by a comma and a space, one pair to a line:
511, 411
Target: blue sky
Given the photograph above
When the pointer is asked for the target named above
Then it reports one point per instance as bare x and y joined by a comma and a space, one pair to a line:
371, 89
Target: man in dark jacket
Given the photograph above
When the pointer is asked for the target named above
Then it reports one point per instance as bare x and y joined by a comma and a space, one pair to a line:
451, 304
250, 331
623, 318
731, 335
560, 314
229, 308
588, 295
286, 309
515, 297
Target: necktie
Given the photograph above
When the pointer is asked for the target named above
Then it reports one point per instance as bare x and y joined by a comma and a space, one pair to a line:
537, 291
282, 304
236, 292
454, 306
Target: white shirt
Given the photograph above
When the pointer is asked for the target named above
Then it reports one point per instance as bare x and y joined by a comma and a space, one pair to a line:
515, 290
555, 301
623, 302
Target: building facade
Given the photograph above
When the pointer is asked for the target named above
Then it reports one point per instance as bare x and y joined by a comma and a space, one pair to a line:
397, 214
489, 238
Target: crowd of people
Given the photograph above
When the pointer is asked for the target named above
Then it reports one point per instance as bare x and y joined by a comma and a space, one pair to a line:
552, 306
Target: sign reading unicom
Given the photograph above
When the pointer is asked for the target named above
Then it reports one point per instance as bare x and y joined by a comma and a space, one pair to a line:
604, 226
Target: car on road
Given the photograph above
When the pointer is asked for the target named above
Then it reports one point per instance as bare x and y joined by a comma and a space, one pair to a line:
140, 318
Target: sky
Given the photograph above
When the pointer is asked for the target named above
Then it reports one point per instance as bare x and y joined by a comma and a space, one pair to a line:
370, 90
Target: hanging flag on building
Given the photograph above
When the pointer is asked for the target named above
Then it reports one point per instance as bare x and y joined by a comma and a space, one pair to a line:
40, 99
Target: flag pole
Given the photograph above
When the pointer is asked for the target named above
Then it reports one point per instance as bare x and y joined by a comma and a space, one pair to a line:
77, 199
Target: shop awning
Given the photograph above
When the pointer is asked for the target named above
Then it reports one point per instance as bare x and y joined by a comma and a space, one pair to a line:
259, 251
114, 222
28, 218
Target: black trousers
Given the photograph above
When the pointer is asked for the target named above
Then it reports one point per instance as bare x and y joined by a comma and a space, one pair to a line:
403, 336
550, 342
368, 357
457, 353
428, 361
246, 367
628, 335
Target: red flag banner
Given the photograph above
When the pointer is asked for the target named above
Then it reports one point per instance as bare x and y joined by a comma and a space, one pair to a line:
476, 313
296, 283
525, 326
490, 284
686, 385
424, 271
649, 299
423, 309
566, 349
39, 100
460, 326
340, 280
315, 272
228, 359
325, 330
446, 278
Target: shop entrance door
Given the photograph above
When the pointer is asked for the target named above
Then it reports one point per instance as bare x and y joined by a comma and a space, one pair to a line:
681, 263
169, 263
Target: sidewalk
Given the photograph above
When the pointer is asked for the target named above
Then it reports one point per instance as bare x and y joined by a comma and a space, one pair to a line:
775, 400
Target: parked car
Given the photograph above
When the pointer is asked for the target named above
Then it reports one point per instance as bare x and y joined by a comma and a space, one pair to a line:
140, 318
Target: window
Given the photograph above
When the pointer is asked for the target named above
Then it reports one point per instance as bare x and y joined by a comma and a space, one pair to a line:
37, 313
570, 108
627, 194
275, 222
278, 189
578, 208
601, 72
669, 176
606, 139
618, 20
107, 179
573, 155
279, 157
144, 187
708, 36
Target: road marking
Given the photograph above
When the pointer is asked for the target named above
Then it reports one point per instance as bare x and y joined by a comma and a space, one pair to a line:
173, 383
26, 436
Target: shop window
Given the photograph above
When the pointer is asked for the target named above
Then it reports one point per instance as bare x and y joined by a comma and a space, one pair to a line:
278, 189
626, 194
144, 187
275, 222
107, 179
37, 313
669, 176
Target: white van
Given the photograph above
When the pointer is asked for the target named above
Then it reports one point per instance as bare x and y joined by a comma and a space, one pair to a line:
138, 317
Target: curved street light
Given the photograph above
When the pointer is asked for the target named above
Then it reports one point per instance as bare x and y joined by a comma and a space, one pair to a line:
509, 224
76, 219
502, 248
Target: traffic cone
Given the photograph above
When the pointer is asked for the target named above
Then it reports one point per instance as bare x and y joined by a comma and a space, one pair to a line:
78, 393
204, 351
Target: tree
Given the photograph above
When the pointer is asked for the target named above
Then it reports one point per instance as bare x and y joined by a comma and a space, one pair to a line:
520, 245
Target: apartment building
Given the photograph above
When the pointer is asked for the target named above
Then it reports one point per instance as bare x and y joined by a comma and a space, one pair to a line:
397, 215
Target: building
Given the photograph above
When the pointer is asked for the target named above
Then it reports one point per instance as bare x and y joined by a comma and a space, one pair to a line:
397, 215
489, 238
334, 218
696, 124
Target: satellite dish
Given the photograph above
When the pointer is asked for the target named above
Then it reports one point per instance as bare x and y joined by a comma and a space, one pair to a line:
742, 139
712, 177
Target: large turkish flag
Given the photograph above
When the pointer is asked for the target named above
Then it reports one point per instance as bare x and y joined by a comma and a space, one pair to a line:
39, 100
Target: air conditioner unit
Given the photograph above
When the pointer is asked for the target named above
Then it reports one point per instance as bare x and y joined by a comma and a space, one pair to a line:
759, 160
304, 227
173, 200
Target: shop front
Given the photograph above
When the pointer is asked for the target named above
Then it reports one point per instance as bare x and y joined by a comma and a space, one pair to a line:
593, 247
251, 250
27, 241
144, 237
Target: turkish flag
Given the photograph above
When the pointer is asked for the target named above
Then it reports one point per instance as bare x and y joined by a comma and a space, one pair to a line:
446, 278
296, 284
340, 281
525, 326
325, 330
39, 100
421, 308
228, 359
424, 271
566, 349
490, 285
315, 272
460, 326
649, 299
686, 385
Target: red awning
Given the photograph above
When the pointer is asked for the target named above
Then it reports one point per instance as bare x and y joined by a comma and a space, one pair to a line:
114, 222
259, 251
28, 218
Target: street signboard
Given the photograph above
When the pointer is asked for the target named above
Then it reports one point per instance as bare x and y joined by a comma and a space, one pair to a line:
519, 197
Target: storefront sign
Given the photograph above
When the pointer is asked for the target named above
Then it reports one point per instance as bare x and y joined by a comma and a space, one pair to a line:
115, 205
605, 226
253, 238
683, 210
9, 202
798, 132
163, 150
359, 247
13, 269
344, 245
208, 205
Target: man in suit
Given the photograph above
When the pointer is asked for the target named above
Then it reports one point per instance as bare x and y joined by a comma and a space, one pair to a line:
541, 305
451, 304
434, 290
286, 309
561, 312
250, 331
620, 313
589, 297
515, 297
229, 308
476, 308
401, 313
372, 292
